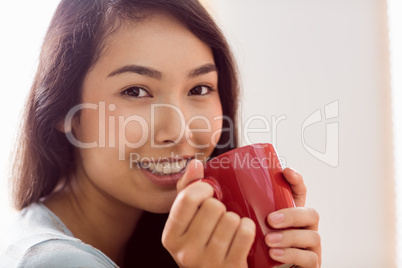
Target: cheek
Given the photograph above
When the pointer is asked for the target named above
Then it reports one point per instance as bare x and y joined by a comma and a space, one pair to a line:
112, 129
86, 128
207, 129
133, 129
94, 124
217, 130
217, 122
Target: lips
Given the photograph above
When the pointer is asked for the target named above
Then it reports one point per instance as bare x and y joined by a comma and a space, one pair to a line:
166, 172
165, 168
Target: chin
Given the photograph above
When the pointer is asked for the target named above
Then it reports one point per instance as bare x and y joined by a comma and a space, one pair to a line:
159, 209
162, 205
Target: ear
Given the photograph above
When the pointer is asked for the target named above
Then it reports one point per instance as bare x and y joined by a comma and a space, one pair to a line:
65, 126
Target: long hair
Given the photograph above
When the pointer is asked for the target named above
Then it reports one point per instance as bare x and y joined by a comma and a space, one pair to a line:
73, 44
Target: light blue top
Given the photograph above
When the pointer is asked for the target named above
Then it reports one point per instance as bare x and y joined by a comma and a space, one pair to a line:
40, 239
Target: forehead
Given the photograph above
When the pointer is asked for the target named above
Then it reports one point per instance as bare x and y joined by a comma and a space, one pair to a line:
157, 40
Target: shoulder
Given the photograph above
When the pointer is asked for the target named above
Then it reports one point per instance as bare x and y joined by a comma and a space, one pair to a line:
61, 252
40, 239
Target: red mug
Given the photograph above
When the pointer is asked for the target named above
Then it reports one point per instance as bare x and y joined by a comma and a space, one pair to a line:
249, 181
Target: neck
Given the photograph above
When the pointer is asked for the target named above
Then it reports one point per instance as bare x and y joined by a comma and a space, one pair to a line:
95, 218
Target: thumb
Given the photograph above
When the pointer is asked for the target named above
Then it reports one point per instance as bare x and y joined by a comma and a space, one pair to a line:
195, 171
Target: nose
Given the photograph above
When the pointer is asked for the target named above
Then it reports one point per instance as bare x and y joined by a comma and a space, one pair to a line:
168, 125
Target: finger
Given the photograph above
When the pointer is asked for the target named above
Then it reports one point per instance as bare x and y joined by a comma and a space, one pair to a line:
205, 221
297, 186
242, 241
307, 218
195, 171
184, 209
299, 257
306, 239
219, 243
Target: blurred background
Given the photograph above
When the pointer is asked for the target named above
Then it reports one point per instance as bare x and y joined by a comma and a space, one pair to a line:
321, 81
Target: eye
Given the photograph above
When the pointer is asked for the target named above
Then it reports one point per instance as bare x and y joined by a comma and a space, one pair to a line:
136, 92
200, 90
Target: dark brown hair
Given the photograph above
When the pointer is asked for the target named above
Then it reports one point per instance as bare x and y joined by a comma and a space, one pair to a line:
72, 45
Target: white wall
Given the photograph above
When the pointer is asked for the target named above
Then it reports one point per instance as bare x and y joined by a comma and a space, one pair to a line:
297, 56
395, 37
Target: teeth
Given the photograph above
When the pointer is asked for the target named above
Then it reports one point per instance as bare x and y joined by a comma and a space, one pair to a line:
159, 168
151, 166
166, 168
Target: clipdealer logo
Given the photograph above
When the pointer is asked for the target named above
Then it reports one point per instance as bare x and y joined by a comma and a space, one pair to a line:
113, 124
330, 156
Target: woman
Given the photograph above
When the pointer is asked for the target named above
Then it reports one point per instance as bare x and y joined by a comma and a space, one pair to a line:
128, 97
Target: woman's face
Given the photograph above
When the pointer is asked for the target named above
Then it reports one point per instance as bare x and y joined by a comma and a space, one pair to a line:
154, 104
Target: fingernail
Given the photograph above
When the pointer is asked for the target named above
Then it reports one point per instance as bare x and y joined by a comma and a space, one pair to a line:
277, 252
276, 217
274, 238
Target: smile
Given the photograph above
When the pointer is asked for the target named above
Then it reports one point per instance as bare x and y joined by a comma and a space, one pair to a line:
166, 167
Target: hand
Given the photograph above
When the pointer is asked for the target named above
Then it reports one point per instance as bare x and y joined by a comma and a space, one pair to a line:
200, 232
302, 244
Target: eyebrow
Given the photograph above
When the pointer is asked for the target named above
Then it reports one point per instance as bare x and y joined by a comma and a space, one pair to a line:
141, 70
152, 73
204, 69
